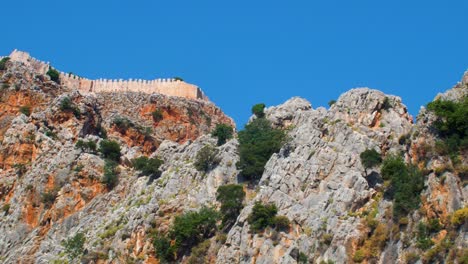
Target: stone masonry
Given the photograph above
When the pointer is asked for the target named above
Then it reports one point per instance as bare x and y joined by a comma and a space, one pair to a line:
169, 87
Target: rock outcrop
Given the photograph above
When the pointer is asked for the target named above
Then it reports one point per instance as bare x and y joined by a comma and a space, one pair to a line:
339, 211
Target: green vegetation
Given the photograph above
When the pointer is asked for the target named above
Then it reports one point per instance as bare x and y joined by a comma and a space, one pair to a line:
122, 123
110, 150
331, 102
423, 240
262, 216
206, 158
26, 110
451, 124
86, 146
178, 79
302, 258
231, 197
48, 198
74, 246
406, 183
386, 104
6, 208
199, 253
187, 231
3, 63
148, 167
460, 217
257, 142
111, 175
157, 115
282, 223
258, 110
223, 132
53, 74
164, 250
66, 105
370, 158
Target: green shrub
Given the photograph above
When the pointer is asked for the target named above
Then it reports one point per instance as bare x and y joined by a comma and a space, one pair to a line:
460, 217
231, 197
66, 105
6, 208
262, 216
148, 167
48, 198
359, 256
281, 222
157, 115
86, 146
111, 176
74, 246
386, 104
302, 258
101, 131
3, 63
223, 132
178, 79
406, 183
53, 74
110, 150
423, 241
122, 123
199, 253
25, 110
191, 228
331, 102
370, 158
257, 142
164, 250
451, 123
258, 110
206, 159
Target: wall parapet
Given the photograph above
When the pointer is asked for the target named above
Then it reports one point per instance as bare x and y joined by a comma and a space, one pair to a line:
166, 86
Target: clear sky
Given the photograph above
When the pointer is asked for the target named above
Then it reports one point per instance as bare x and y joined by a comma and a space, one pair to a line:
245, 52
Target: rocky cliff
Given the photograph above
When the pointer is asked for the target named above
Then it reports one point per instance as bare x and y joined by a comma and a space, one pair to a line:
339, 211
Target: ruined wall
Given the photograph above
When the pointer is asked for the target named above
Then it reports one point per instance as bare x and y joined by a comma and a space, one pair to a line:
169, 87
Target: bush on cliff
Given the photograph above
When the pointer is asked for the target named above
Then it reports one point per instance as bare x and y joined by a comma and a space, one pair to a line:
370, 158
262, 216
231, 197
206, 159
148, 167
74, 246
258, 110
110, 150
406, 184
66, 105
223, 132
53, 74
451, 124
3, 63
257, 142
86, 146
187, 231
111, 175
157, 115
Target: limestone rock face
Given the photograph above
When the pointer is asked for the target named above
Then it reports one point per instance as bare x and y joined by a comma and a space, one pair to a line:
317, 178
51, 190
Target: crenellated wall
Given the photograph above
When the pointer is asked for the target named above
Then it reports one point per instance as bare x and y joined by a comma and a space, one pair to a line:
169, 87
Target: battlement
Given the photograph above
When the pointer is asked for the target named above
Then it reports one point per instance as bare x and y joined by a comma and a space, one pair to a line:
171, 87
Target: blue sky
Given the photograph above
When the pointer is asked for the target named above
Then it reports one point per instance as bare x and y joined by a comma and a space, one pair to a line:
245, 52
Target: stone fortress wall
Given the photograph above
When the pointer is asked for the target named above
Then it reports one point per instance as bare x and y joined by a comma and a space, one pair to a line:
169, 87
